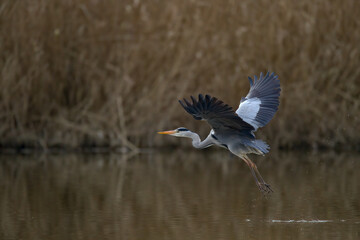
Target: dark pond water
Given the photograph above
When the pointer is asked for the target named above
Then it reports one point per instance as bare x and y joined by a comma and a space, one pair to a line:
179, 195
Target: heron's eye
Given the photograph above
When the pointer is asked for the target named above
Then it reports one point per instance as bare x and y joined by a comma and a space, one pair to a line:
182, 129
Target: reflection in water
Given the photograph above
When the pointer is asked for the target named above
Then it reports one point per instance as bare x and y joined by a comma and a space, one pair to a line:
179, 195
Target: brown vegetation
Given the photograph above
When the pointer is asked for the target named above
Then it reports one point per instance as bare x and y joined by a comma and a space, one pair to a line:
108, 73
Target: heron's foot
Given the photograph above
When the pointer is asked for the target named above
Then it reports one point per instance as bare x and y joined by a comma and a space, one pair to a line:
265, 188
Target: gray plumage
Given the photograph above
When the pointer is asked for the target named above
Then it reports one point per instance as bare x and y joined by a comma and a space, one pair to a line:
219, 115
263, 97
229, 129
234, 130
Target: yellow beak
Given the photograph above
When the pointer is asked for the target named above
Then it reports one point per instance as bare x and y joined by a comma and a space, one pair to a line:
167, 132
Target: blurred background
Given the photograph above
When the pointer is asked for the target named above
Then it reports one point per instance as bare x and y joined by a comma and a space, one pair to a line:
92, 73
105, 76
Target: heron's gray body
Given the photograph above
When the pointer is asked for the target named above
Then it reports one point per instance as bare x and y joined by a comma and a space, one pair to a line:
239, 144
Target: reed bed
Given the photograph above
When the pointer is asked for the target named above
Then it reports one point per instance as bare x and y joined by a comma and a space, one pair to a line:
91, 73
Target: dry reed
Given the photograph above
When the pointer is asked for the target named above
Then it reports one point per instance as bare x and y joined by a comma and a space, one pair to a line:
84, 73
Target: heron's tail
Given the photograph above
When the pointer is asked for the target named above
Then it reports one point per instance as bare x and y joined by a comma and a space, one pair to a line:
260, 147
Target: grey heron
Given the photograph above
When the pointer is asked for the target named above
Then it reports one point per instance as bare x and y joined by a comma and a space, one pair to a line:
234, 130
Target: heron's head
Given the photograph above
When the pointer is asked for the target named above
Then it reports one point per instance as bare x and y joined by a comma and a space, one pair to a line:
179, 132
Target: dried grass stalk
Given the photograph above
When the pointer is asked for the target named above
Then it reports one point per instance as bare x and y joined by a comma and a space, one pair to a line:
66, 63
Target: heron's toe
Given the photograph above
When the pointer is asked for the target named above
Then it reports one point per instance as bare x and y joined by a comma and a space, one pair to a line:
265, 188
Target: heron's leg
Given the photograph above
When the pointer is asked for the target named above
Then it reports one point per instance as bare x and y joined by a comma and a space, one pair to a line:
264, 186
262, 180
252, 170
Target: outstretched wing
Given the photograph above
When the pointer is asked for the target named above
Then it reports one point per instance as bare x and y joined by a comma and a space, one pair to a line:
262, 101
218, 114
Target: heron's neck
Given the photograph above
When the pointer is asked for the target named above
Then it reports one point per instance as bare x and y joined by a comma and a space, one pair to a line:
196, 141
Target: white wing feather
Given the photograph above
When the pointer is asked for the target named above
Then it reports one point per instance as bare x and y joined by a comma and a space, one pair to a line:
248, 110
261, 103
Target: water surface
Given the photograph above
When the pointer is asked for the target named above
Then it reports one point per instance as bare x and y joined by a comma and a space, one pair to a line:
179, 194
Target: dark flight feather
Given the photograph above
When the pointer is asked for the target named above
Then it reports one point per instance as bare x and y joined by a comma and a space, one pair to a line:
218, 114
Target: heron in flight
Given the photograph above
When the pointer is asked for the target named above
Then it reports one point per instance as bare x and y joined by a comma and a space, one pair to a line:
234, 130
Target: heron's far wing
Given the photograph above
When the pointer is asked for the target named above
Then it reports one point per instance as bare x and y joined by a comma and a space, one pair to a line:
218, 114
261, 103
